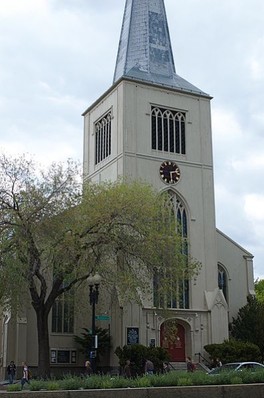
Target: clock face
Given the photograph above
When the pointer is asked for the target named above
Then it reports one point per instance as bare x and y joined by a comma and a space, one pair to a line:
170, 172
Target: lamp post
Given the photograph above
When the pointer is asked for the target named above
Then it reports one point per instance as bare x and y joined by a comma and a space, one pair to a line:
94, 282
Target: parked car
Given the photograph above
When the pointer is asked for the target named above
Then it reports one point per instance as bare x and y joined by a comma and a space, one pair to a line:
237, 367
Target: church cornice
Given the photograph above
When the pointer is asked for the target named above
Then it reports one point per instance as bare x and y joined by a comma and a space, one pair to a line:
148, 84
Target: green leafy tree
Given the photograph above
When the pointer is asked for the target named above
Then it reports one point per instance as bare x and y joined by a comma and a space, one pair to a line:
54, 233
86, 341
259, 289
248, 326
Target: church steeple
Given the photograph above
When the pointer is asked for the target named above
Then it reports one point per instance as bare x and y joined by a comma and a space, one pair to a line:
144, 51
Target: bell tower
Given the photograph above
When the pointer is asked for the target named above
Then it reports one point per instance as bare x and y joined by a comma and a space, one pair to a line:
153, 125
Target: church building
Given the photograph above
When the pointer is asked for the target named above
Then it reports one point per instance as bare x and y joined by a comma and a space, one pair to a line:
155, 126
150, 125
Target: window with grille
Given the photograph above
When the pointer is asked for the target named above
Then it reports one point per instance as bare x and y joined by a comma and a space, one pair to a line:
63, 314
179, 292
168, 130
62, 356
222, 280
103, 138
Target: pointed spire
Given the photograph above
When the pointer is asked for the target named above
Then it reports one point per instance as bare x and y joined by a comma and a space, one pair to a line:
144, 51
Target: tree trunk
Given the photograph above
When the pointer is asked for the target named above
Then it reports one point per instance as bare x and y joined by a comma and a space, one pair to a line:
43, 343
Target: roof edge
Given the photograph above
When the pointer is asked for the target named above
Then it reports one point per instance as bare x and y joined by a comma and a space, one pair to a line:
146, 83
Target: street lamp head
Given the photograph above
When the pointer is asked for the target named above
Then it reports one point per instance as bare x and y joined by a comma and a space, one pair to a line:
94, 279
97, 279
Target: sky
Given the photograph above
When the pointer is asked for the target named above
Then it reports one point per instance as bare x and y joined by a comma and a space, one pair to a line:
58, 56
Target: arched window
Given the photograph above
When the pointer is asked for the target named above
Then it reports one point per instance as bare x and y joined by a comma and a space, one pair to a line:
168, 130
222, 280
179, 293
103, 138
63, 313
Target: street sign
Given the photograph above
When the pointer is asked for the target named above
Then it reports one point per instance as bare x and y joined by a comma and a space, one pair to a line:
102, 317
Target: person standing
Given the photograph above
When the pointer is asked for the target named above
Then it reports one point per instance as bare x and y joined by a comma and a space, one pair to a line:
149, 367
25, 375
88, 368
190, 365
127, 369
166, 368
11, 371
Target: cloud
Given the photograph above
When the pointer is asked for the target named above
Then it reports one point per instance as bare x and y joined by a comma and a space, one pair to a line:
58, 56
254, 208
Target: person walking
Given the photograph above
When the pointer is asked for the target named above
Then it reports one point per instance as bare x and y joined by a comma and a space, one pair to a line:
25, 375
11, 372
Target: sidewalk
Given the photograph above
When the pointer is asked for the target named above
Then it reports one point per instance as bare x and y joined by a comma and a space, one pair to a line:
5, 383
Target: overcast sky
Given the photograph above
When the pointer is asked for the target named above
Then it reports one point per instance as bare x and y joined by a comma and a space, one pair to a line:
58, 56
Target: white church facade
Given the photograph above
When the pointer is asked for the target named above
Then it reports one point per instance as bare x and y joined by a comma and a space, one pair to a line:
154, 126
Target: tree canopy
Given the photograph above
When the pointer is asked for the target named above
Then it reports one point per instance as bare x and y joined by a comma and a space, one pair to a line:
259, 289
54, 233
248, 326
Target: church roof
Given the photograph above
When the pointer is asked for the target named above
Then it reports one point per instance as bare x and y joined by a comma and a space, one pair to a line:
144, 51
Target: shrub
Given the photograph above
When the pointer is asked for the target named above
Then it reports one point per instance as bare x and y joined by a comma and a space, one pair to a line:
185, 381
71, 383
137, 354
14, 387
52, 385
234, 351
37, 385
141, 382
236, 380
93, 382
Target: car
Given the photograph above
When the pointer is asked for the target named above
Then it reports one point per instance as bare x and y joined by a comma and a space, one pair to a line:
237, 367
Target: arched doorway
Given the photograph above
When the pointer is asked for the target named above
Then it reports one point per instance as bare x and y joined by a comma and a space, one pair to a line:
172, 337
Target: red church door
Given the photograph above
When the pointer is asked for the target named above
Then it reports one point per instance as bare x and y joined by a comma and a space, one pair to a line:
175, 344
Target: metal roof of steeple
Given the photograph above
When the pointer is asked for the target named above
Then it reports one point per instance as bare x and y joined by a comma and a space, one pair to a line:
144, 51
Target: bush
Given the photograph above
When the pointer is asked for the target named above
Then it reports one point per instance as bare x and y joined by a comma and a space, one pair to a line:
37, 385
71, 383
234, 351
185, 381
173, 378
138, 353
14, 387
52, 385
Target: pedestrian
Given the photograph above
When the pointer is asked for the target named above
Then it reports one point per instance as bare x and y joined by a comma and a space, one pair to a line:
149, 367
11, 371
88, 368
166, 367
190, 365
127, 369
25, 375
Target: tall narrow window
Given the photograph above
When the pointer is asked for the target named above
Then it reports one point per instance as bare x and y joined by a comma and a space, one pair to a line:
103, 138
168, 130
179, 292
222, 280
63, 314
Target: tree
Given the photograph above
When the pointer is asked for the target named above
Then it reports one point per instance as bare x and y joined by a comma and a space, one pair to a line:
53, 235
259, 289
248, 326
86, 341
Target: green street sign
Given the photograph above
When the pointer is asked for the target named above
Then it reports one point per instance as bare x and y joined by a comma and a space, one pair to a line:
102, 317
